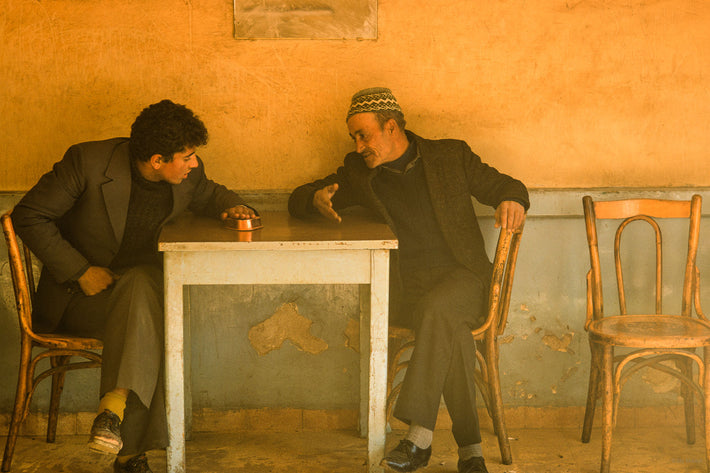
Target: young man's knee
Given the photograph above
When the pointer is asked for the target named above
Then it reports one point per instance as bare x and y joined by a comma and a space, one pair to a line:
143, 276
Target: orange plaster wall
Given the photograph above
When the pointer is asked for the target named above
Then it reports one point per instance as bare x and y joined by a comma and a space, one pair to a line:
560, 93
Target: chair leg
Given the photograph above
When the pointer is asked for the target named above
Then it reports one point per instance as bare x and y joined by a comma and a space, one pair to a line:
57, 387
391, 399
395, 365
686, 368
607, 369
22, 396
496, 402
481, 378
394, 344
706, 399
592, 394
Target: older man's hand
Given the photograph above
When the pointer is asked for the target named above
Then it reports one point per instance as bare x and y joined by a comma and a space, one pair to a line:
322, 202
510, 215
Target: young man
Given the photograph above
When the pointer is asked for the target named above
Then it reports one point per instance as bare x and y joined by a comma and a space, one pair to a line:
423, 189
94, 221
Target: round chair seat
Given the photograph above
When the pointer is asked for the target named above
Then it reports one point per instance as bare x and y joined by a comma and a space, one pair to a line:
68, 342
650, 331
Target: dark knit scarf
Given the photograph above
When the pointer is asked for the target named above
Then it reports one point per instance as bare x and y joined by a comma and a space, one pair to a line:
150, 203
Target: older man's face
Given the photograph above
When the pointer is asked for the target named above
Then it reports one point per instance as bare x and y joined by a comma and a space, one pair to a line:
376, 144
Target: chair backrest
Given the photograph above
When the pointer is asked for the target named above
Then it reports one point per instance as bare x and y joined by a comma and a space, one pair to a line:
502, 280
649, 211
21, 271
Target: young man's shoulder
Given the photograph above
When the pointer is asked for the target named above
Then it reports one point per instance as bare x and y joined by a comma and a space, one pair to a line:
98, 145
97, 157
98, 151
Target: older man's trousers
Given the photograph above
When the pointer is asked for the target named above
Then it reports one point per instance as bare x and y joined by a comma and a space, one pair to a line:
442, 305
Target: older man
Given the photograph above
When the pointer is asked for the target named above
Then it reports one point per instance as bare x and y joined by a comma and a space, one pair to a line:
94, 221
423, 188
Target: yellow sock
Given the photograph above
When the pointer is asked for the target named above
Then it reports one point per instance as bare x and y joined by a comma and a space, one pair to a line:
114, 401
123, 459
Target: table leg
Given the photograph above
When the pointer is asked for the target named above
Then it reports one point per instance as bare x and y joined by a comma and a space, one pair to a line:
187, 364
174, 366
364, 359
379, 302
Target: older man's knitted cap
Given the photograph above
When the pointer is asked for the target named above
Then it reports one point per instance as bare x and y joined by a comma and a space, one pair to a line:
375, 99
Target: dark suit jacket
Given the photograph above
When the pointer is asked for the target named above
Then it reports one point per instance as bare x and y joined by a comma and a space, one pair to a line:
75, 216
453, 174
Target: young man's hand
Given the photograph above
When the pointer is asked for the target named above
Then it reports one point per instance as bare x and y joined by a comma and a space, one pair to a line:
239, 212
96, 279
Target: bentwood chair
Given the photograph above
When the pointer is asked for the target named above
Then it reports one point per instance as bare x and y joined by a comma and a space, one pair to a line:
59, 349
487, 376
665, 341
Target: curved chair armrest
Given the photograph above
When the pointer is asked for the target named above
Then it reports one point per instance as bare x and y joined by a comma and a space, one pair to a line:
19, 274
590, 310
696, 296
513, 248
498, 291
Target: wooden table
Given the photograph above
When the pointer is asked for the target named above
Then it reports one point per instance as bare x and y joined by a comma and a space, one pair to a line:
286, 250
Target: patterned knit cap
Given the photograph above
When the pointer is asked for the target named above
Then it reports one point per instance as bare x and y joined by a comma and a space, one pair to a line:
376, 99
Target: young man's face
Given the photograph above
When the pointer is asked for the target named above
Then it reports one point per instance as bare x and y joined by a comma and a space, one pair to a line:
376, 144
176, 170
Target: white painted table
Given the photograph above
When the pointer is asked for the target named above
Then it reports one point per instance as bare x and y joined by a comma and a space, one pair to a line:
199, 250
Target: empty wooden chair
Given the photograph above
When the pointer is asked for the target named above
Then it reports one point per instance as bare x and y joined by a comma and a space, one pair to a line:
59, 349
649, 340
486, 336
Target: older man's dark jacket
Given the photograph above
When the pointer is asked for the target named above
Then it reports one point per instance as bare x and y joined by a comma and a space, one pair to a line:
453, 174
75, 216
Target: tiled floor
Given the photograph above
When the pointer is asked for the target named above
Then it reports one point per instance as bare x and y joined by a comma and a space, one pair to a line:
534, 451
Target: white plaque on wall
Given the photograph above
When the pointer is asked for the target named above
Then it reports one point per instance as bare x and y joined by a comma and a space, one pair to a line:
305, 19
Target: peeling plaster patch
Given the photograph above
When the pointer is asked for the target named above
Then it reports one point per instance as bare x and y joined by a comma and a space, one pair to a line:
559, 344
568, 374
518, 391
524, 308
553, 388
533, 318
524, 336
661, 382
285, 324
538, 329
507, 339
352, 335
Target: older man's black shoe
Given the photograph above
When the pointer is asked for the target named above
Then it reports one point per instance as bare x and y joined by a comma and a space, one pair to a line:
406, 457
472, 465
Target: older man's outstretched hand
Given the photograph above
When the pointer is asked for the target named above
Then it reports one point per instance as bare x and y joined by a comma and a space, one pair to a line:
323, 203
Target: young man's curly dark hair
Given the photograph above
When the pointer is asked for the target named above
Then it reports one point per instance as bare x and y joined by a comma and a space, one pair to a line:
165, 128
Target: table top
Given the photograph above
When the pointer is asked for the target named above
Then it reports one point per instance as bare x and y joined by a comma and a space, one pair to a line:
280, 231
